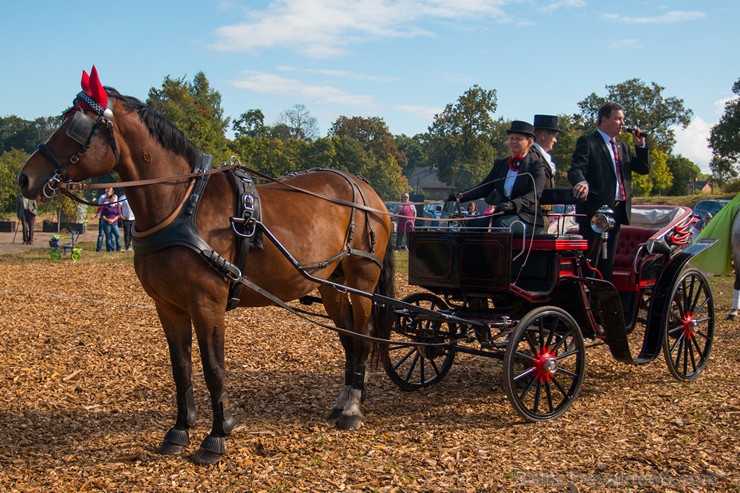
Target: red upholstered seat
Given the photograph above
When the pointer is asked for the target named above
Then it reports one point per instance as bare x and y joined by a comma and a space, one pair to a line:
630, 240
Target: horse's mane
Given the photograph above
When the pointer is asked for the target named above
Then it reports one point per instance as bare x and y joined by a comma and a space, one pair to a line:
159, 127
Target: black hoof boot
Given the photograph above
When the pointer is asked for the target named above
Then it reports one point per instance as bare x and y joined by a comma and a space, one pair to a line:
175, 442
349, 423
210, 451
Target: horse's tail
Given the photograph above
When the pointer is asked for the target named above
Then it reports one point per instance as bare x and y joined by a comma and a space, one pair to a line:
382, 313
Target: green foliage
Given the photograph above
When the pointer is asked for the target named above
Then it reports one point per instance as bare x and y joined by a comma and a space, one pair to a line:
571, 127
460, 138
413, 148
372, 133
732, 187
683, 171
16, 133
660, 173
725, 138
196, 110
644, 106
11, 163
250, 124
642, 185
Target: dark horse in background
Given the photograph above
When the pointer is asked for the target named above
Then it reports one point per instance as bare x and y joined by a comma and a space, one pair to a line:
331, 220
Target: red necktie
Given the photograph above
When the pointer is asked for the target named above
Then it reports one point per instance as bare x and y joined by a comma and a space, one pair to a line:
618, 165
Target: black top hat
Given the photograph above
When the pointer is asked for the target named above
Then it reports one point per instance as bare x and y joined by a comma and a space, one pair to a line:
546, 122
520, 127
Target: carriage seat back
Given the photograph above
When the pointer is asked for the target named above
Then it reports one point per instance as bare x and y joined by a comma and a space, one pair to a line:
560, 195
631, 238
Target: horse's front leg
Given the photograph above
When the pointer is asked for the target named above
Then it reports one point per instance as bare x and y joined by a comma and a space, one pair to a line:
210, 329
177, 329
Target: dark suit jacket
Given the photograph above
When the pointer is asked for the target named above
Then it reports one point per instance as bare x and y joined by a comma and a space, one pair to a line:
593, 162
526, 192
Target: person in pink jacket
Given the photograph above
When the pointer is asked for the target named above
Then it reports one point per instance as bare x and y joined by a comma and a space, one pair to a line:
405, 220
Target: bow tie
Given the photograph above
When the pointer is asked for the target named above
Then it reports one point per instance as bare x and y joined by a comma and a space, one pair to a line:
515, 161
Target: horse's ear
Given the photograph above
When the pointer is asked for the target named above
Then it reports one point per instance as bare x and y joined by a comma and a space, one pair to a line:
96, 88
85, 82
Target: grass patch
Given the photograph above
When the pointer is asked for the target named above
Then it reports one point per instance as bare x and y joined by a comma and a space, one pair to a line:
88, 256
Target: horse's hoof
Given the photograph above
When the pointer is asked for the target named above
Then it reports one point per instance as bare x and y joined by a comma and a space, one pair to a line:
175, 441
334, 416
205, 458
732, 316
349, 423
210, 451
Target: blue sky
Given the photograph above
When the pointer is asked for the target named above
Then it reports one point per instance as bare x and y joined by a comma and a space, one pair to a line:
402, 60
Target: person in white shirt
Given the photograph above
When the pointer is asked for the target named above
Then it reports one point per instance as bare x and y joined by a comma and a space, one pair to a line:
127, 218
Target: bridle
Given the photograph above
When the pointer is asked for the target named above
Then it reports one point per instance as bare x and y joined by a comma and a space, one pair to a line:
81, 129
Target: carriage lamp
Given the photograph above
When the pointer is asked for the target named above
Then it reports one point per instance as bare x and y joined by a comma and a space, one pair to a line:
602, 223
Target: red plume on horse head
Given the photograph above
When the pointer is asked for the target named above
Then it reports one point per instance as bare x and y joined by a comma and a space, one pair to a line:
93, 88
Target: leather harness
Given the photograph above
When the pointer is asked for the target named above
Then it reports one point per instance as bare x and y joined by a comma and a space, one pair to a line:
179, 229
182, 231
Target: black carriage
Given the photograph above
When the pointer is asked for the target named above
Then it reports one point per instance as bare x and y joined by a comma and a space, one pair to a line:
534, 302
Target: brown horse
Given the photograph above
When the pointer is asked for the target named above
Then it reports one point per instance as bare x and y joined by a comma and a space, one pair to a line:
330, 220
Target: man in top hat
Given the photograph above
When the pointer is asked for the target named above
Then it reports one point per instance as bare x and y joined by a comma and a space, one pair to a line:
546, 136
601, 174
514, 184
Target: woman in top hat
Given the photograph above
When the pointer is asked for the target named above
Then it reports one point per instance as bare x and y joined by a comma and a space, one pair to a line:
514, 184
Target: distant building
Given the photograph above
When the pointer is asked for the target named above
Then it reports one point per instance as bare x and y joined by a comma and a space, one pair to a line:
700, 187
426, 181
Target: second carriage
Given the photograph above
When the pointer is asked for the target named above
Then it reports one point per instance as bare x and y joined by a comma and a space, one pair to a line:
535, 301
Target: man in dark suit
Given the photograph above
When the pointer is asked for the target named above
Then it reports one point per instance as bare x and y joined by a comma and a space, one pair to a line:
514, 184
601, 174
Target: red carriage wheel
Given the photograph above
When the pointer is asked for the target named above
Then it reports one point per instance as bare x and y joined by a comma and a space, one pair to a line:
689, 326
544, 364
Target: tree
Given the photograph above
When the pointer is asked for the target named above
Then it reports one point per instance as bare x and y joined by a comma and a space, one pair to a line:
251, 123
196, 110
644, 106
413, 149
683, 171
724, 138
372, 133
460, 138
300, 123
11, 163
17, 133
660, 173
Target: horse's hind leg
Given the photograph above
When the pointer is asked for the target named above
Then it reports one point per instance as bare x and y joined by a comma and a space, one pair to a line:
209, 328
346, 412
179, 338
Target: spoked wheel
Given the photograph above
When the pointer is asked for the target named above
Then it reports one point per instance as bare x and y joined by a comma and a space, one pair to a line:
544, 364
689, 326
414, 367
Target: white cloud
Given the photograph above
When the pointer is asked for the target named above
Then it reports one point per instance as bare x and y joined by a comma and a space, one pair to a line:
562, 4
267, 83
324, 28
425, 113
341, 74
671, 17
691, 142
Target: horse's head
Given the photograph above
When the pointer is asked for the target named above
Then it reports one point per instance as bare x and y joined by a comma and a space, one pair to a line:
78, 149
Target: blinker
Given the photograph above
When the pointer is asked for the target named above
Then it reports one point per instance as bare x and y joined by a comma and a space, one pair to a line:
80, 128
